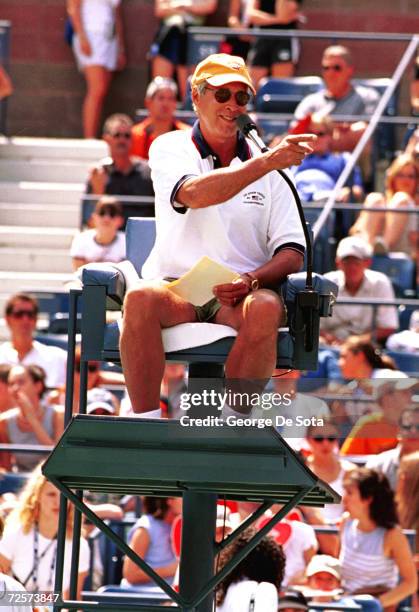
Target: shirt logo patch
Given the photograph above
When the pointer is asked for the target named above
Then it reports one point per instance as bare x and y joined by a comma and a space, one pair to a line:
254, 197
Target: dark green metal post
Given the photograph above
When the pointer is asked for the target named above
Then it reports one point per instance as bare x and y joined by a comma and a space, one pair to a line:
198, 546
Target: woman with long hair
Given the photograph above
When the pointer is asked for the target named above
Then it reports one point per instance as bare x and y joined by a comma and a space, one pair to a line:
150, 538
28, 549
247, 582
374, 553
395, 230
407, 495
360, 358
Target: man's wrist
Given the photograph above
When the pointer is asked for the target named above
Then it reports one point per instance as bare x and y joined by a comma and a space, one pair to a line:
252, 281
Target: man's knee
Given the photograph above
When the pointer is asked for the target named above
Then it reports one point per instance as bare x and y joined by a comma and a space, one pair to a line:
264, 313
141, 301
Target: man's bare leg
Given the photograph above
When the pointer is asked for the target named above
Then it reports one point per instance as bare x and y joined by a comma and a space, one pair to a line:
147, 310
253, 357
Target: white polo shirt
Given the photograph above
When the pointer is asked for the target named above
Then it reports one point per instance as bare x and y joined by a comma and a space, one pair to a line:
348, 319
242, 233
51, 358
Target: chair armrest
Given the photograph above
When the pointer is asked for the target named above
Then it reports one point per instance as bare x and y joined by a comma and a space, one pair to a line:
326, 289
116, 278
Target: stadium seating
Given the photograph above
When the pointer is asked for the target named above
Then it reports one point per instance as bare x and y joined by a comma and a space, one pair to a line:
283, 95
400, 269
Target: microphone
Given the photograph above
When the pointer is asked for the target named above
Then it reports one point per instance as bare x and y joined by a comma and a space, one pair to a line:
309, 298
249, 129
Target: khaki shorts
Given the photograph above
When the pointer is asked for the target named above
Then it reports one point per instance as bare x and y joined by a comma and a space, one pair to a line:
207, 312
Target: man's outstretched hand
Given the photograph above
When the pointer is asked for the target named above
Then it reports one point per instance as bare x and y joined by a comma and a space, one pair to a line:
290, 151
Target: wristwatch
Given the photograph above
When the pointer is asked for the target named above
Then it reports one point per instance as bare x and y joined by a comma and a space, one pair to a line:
254, 281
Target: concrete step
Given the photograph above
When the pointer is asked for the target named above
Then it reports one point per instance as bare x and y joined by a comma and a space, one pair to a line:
34, 192
40, 215
47, 170
36, 237
53, 148
12, 282
35, 260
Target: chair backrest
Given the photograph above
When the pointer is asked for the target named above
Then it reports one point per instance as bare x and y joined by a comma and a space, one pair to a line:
399, 268
202, 45
283, 95
140, 238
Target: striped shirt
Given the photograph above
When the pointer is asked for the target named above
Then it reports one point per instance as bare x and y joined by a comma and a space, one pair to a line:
363, 561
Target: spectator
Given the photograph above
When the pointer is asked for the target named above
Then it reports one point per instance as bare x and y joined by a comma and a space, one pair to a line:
96, 378
6, 87
160, 101
21, 314
361, 359
325, 462
104, 242
99, 49
388, 462
375, 555
393, 231
208, 173
292, 600
150, 538
279, 56
257, 578
407, 493
120, 173
339, 97
298, 541
324, 575
6, 400
377, 432
318, 173
28, 549
238, 19
408, 339
31, 421
169, 53
13, 587
355, 279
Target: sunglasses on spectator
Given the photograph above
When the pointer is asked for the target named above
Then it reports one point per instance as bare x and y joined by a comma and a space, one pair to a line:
19, 314
107, 213
406, 175
224, 94
412, 427
92, 367
322, 438
319, 133
335, 67
126, 135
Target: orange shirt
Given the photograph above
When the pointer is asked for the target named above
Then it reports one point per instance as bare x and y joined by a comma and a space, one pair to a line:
371, 435
143, 136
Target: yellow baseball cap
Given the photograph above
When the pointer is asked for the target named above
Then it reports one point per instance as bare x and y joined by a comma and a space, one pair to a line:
220, 69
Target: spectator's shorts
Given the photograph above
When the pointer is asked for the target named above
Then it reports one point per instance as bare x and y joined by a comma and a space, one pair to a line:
207, 312
104, 51
171, 43
266, 52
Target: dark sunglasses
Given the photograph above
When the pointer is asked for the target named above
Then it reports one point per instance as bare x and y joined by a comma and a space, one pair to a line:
107, 213
92, 367
411, 427
336, 67
319, 133
224, 94
19, 314
126, 135
322, 438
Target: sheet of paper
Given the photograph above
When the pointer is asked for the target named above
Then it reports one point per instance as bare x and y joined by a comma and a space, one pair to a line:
196, 285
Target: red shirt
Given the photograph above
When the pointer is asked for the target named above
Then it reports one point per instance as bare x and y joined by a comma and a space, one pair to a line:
143, 135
